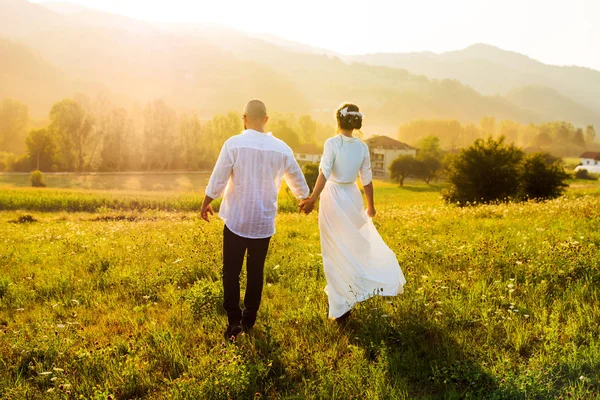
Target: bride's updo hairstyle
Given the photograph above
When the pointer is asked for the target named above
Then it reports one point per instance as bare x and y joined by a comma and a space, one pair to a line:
349, 117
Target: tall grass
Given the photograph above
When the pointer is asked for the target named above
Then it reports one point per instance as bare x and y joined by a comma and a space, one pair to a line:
501, 303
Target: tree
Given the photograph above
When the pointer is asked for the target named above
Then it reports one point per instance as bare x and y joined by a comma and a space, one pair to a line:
469, 134
562, 135
450, 132
510, 130
487, 171
542, 140
578, 139
426, 168
115, 145
311, 173
542, 177
159, 135
216, 132
283, 131
191, 138
487, 125
14, 118
429, 146
590, 134
41, 149
308, 128
72, 127
401, 168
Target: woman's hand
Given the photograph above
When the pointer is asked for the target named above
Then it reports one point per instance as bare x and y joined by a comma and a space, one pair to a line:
371, 212
307, 205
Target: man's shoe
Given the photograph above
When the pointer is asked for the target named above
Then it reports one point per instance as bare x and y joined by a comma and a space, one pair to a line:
232, 331
246, 327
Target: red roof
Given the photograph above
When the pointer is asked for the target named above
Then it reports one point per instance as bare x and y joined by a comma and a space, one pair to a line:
591, 154
388, 143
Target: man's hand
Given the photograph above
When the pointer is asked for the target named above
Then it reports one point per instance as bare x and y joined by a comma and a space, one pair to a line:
206, 209
306, 206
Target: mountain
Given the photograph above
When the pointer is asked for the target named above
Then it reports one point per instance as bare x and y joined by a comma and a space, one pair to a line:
63, 8
491, 70
19, 18
30, 79
213, 69
550, 104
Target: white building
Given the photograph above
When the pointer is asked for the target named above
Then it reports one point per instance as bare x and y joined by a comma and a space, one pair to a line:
384, 150
590, 160
308, 153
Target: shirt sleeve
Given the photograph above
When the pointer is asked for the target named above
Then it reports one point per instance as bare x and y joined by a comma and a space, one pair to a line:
328, 158
295, 178
366, 175
220, 175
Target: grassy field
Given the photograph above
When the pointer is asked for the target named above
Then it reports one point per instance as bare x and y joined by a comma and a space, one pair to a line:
502, 302
126, 181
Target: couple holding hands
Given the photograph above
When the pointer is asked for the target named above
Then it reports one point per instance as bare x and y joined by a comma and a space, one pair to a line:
248, 175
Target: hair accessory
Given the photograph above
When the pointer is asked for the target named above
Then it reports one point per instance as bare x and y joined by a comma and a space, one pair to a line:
344, 111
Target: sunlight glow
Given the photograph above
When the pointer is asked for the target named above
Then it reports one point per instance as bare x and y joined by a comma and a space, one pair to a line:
554, 31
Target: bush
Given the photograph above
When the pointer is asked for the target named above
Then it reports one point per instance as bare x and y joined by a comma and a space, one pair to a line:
311, 173
584, 174
542, 177
37, 179
487, 171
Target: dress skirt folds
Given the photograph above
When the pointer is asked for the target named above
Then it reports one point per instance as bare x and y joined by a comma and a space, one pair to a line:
357, 262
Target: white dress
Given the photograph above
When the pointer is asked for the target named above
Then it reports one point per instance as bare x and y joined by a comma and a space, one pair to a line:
357, 262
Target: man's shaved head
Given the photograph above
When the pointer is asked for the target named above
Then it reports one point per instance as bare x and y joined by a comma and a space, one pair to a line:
255, 109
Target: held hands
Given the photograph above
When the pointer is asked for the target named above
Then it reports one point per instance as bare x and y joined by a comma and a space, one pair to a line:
206, 209
306, 206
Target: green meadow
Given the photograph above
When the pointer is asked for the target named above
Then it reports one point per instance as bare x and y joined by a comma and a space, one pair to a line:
118, 295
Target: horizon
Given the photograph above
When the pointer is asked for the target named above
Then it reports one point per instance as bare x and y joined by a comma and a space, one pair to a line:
528, 35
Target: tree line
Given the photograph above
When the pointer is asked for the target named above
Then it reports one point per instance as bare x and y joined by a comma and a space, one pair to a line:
559, 138
83, 135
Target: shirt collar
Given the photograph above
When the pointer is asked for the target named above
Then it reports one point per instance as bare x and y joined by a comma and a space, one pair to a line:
258, 133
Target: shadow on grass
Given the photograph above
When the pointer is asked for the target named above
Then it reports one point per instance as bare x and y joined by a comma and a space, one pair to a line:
433, 188
422, 359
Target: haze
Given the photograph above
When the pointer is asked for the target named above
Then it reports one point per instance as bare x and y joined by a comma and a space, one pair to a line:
553, 31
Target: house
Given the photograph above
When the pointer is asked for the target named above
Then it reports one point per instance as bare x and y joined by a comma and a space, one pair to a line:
384, 150
590, 160
308, 153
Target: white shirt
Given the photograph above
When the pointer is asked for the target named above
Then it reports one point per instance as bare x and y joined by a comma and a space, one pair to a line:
249, 171
344, 159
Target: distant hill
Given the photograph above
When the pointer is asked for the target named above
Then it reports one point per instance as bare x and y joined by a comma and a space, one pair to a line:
28, 78
213, 69
551, 104
491, 70
20, 18
63, 8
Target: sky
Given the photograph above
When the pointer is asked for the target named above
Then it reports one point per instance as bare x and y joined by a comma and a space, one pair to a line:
561, 32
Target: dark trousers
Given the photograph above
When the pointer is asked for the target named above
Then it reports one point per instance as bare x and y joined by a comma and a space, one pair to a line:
234, 250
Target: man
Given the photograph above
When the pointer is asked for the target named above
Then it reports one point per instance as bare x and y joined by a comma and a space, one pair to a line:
248, 174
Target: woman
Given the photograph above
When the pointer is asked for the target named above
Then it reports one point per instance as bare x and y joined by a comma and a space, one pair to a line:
357, 262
